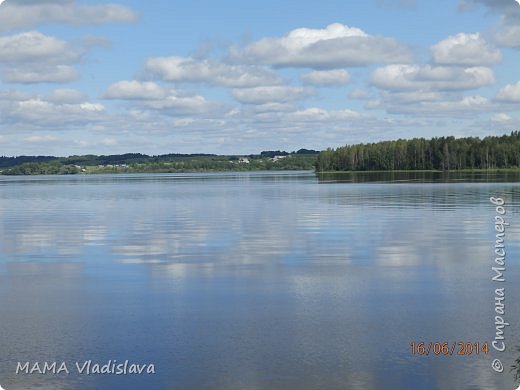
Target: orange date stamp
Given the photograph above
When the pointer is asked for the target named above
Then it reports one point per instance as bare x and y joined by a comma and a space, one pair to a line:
447, 348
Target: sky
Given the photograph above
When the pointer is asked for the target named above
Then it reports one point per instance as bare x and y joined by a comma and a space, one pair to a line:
228, 77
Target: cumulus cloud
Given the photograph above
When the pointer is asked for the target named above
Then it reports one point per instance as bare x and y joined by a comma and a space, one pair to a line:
300, 117
33, 57
272, 94
416, 96
209, 71
129, 90
333, 77
59, 110
150, 95
18, 14
66, 95
501, 118
336, 46
34, 46
46, 74
7, 95
427, 77
466, 50
299, 126
510, 93
37, 112
465, 106
183, 105
267, 107
320, 115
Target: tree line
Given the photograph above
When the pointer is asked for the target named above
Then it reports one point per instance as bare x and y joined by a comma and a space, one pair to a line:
136, 158
440, 153
137, 163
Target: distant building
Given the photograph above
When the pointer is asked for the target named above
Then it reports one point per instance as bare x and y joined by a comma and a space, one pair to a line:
243, 160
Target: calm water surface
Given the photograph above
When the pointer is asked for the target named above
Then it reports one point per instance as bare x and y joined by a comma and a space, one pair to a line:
255, 280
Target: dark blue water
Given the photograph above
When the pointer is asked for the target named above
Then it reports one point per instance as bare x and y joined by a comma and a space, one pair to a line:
254, 280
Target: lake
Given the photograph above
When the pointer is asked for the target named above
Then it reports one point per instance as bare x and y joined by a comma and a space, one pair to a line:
263, 280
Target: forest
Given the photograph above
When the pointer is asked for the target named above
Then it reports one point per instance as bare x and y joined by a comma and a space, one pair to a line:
441, 153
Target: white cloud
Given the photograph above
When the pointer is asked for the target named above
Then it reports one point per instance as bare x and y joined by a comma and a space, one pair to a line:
416, 96
333, 77
272, 94
34, 46
475, 101
27, 14
270, 107
210, 71
300, 118
33, 57
336, 46
183, 105
465, 106
510, 93
13, 95
66, 95
41, 112
128, 90
427, 77
501, 118
466, 50
57, 96
149, 95
320, 115
46, 74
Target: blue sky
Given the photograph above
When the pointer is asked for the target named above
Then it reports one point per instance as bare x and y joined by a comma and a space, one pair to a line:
228, 77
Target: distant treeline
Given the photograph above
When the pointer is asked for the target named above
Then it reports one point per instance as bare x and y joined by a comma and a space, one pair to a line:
91, 159
302, 159
129, 158
444, 153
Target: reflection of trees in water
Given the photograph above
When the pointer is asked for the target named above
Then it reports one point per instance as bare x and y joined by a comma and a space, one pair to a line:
477, 176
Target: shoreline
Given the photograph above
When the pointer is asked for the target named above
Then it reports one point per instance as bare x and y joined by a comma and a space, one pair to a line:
122, 172
476, 170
